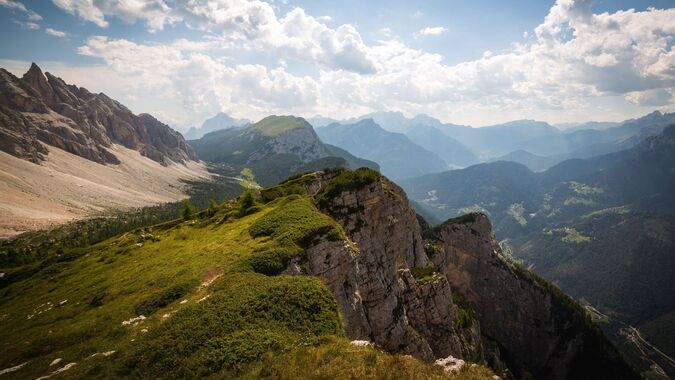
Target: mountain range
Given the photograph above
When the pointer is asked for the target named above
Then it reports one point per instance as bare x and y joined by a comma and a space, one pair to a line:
216, 123
396, 154
601, 228
321, 265
273, 149
66, 153
327, 272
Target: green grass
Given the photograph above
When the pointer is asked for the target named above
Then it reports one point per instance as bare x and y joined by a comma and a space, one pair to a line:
337, 359
425, 274
295, 221
516, 211
213, 302
574, 237
346, 181
273, 126
583, 189
116, 280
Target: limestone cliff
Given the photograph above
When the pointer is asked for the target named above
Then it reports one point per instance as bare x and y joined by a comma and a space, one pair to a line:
40, 109
449, 293
542, 331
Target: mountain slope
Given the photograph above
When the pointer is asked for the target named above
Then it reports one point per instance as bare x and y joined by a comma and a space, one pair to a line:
39, 109
450, 150
532, 161
66, 154
246, 288
600, 228
216, 123
273, 149
397, 156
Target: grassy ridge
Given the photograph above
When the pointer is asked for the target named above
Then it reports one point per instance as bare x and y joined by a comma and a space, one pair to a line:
185, 301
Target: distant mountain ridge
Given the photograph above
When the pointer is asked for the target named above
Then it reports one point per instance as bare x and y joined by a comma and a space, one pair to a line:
601, 228
218, 122
42, 109
273, 149
396, 154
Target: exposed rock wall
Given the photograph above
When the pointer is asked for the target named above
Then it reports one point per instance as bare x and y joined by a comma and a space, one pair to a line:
541, 331
370, 276
507, 315
39, 108
302, 142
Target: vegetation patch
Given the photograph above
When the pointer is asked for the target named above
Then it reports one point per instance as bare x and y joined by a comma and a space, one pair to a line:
346, 181
338, 359
466, 218
465, 314
584, 189
425, 274
162, 298
247, 316
273, 261
516, 211
572, 236
295, 220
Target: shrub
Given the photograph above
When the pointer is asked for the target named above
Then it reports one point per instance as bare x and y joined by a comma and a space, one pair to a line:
161, 299
295, 220
346, 181
188, 210
247, 203
274, 260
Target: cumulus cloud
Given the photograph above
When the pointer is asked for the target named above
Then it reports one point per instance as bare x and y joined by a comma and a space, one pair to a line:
432, 31
252, 23
652, 98
572, 57
18, 6
56, 33
155, 13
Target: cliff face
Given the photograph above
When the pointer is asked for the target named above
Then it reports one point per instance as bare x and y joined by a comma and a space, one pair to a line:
302, 142
39, 108
395, 288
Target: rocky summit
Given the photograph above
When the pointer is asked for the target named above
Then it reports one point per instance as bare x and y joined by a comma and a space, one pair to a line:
41, 110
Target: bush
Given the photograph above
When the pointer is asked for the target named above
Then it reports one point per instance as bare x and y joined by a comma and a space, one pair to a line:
294, 220
188, 210
346, 181
162, 299
246, 316
247, 203
274, 260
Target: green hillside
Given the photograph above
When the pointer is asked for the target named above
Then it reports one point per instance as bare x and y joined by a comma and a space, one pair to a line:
273, 126
193, 297
257, 151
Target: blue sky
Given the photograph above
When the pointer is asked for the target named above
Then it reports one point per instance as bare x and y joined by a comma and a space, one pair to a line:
477, 62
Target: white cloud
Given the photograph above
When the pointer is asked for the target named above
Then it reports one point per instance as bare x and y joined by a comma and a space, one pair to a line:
18, 6
574, 60
432, 31
652, 98
28, 25
155, 13
56, 33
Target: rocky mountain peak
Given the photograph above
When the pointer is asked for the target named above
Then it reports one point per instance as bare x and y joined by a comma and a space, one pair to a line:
41, 110
447, 291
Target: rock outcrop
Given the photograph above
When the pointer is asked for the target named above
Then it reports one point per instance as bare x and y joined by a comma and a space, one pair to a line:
301, 141
40, 109
449, 293
370, 275
542, 331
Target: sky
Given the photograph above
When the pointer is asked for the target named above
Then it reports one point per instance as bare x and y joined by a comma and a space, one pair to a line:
464, 62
